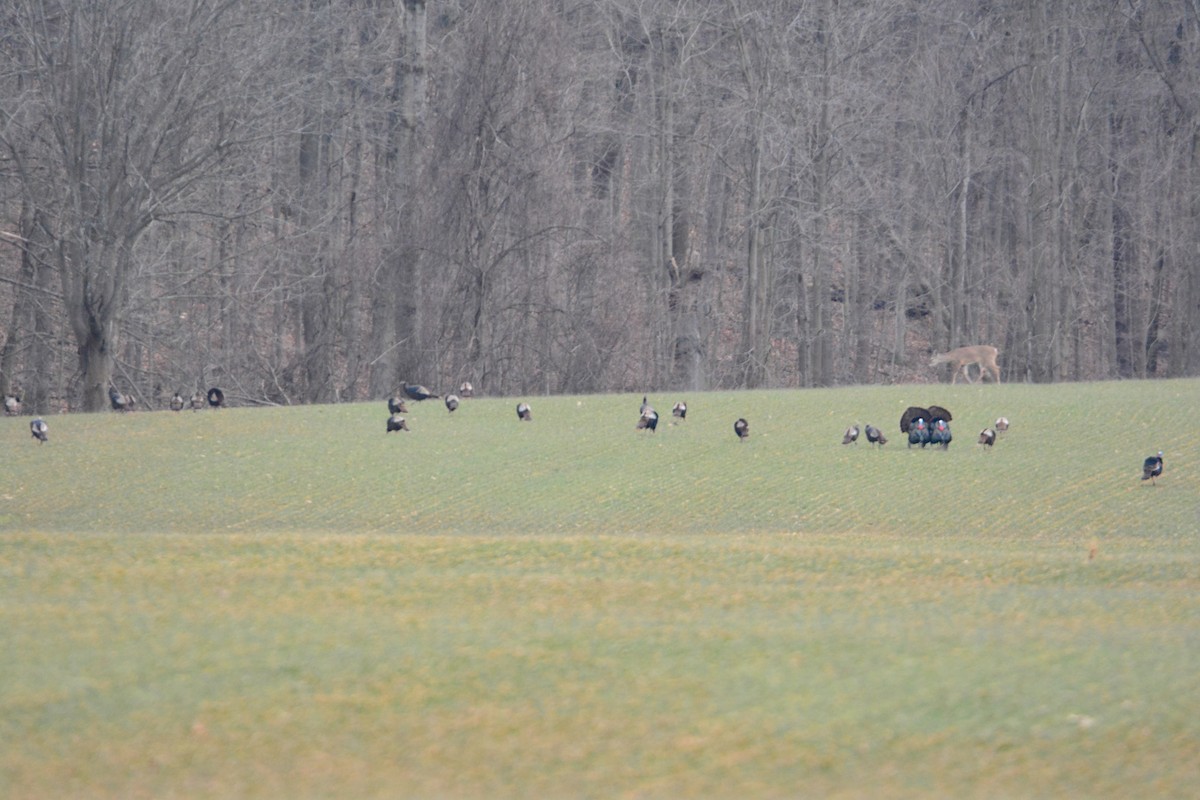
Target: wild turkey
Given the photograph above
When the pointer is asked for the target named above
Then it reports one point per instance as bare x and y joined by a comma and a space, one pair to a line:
40, 430
911, 414
987, 437
451, 403
396, 423
177, 402
197, 401
918, 432
466, 390
1001, 424
216, 398
120, 402
524, 412
645, 405
875, 436
679, 410
648, 420
851, 435
742, 429
1152, 467
418, 392
940, 434
12, 405
396, 405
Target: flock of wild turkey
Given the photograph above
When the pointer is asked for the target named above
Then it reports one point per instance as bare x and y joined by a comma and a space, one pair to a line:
924, 426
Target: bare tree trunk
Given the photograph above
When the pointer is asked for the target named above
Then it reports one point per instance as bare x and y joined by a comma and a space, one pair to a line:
396, 319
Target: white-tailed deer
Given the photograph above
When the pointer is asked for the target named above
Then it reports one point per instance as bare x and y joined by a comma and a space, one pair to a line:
984, 355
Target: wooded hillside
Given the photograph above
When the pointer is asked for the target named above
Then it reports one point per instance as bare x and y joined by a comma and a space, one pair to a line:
313, 201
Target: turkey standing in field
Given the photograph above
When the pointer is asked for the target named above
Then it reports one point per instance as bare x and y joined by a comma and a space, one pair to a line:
466, 390
120, 402
451, 402
177, 402
40, 430
216, 398
911, 414
648, 420
742, 429
918, 433
418, 392
396, 423
1152, 467
875, 436
1002, 424
645, 405
987, 437
524, 412
396, 405
197, 401
940, 434
12, 405
680, 410
851, 435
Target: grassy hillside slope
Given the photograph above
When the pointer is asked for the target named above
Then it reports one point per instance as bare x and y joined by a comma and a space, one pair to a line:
290, 603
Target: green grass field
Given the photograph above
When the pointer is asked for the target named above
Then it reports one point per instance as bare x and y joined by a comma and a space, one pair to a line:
292, 603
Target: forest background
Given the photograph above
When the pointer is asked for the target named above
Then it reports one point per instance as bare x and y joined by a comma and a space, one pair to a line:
312, 201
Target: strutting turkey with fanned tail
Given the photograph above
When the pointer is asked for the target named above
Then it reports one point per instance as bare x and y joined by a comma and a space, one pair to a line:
939, 434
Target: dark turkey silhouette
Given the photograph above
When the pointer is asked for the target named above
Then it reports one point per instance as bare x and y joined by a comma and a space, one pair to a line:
396, 423
680, 410
939, 434
197, 401
177, 402
418, 392
987, 437
451, 403
1152, 467
216, 398
1002, 424
851, 435
40, 430
396, 405
12, 405
911, 414
741, 428
875, 436
918, 432
524, 412
931, 415
648, 420
120, 402
466, 390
